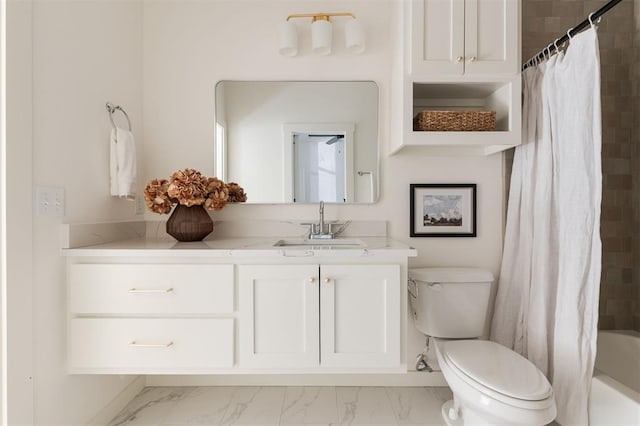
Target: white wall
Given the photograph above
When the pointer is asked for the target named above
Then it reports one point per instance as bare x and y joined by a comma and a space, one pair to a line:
84, 54
19, 291
189, 46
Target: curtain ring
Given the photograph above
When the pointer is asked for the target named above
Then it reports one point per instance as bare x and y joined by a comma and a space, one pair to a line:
591, 21
555, 44
569, 33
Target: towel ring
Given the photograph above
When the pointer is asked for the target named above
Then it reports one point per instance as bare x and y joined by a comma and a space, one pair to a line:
113, 108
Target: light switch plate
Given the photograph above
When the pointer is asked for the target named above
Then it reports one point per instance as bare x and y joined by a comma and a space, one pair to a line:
49, 201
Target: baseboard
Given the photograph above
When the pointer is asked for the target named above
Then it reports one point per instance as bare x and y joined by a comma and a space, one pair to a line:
116, 405
410, 379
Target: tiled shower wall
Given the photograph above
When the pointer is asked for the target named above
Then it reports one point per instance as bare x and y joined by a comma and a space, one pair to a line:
545, 20
635, 136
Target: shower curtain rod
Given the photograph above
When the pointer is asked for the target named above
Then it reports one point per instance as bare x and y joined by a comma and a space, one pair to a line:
572, 32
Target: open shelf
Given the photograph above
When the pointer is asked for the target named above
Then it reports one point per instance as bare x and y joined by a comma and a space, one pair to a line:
500, 96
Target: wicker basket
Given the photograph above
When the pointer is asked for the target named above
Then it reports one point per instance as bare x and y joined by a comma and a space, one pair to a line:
455, 121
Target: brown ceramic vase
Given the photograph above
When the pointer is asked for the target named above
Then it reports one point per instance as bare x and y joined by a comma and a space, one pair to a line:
189, 223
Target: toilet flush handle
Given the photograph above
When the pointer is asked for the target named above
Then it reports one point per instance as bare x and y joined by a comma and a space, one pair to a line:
435, 286
414, 293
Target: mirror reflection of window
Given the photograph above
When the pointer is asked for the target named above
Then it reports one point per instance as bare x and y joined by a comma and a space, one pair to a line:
319, 163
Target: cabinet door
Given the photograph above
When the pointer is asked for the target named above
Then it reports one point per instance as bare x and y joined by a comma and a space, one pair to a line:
360, 311
279, 318
492, 37
437, 36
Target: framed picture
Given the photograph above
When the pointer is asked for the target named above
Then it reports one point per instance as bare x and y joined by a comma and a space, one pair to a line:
443, 210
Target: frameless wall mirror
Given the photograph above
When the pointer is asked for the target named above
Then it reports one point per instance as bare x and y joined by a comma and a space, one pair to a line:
298, 141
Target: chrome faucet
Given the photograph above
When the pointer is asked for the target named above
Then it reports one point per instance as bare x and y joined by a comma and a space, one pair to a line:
318, 230
321, 222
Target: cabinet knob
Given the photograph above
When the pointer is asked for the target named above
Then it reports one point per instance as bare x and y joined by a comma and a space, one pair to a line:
327, 280
473, 59
459, 59
312, 280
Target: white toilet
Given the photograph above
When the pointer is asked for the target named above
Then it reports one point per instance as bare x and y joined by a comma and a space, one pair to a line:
491, 384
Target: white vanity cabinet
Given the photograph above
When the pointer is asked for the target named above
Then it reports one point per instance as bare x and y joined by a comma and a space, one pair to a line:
150, 317
237, 306
322, 317
464, 37
360, 316
279, 316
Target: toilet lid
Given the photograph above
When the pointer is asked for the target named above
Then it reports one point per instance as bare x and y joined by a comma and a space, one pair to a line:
497, 368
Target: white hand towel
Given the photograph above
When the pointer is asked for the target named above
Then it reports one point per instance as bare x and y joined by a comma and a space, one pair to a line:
122, 165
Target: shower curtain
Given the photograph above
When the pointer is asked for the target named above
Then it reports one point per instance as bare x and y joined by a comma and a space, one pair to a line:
547, 301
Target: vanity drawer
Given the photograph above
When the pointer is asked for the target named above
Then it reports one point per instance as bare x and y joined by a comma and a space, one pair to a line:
124, 345
150, 289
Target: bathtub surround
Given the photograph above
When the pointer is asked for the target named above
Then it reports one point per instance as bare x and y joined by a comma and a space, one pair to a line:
615, 391
546, 305
635, 144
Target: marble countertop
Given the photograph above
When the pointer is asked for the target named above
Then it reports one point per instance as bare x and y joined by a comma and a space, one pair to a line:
242, 247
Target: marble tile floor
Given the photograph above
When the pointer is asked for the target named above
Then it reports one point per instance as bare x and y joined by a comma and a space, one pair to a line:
285, 406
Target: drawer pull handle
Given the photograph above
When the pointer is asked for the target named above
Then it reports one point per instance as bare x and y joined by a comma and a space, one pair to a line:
473, 59
459, 59
327, 280
150, 290
312, 280
150, 345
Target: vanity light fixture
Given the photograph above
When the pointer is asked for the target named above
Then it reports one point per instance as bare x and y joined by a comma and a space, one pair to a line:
321, 33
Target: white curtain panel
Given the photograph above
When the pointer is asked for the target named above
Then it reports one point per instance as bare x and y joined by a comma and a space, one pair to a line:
547, 300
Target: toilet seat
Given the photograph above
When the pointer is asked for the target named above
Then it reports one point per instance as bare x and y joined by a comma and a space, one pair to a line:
497, 372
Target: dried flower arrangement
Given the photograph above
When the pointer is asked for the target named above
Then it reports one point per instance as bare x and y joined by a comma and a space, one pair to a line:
189, 187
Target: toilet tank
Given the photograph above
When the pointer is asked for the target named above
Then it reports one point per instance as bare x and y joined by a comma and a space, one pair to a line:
450, 302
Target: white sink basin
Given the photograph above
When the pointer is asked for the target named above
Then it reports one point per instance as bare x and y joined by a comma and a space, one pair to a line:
336, 242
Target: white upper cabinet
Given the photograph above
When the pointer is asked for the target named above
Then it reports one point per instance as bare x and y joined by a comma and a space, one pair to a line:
460, 55
464, 37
